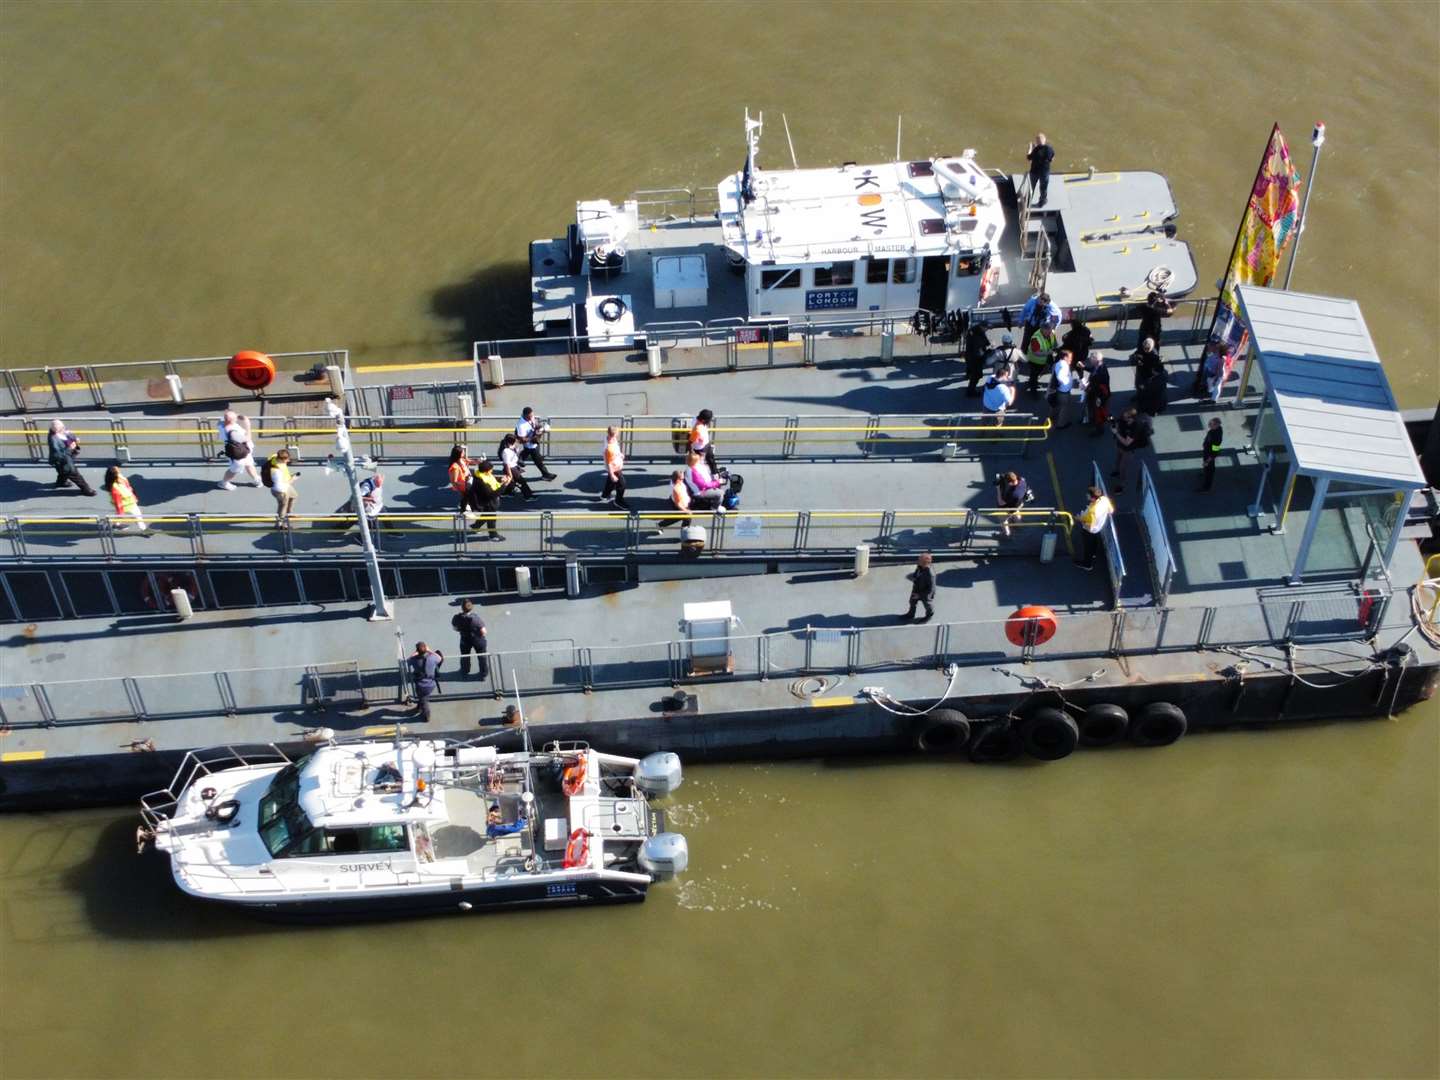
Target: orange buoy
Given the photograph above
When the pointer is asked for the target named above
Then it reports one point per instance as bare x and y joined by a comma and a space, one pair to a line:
251, 370
1031, 625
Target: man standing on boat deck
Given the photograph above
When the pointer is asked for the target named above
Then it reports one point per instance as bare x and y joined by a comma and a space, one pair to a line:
424, 664
922, 588
1040, 155
471, 628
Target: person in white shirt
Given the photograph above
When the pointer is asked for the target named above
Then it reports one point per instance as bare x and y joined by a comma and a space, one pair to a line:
529, 431
239, 448
1062, 382
514, 471
1093, 520
997, 397
702, 441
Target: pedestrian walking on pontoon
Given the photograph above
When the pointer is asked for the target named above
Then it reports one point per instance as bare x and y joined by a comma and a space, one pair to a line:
123, 496
483, 498
238, 446
1210, 452
680, 499
922, 588
614, 490
458, 474
514, 471
424, 665
702, 438
64, 449
530, 430
282, 485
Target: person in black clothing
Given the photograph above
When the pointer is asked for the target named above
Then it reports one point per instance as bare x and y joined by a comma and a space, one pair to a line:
922, 589
1097, 394
1151, 396
1157, 309
471, 628
424, 664
1147, 361
1011, 493
977, 350
1078, 339
64, 449
1132, 433
1040, 155
1209, 451
482, 497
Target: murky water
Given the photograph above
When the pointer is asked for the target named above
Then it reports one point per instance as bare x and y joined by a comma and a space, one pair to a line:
186, 179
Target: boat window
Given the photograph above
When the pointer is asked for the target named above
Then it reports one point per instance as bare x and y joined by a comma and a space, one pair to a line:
366, 839
780, 279
283, 826
840, 273
904, 272
877, 271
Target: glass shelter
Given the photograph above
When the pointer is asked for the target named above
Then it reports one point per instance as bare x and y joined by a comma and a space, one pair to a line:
1329, 424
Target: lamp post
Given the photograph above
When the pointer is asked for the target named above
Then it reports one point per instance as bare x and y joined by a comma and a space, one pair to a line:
346, 458
1317, 140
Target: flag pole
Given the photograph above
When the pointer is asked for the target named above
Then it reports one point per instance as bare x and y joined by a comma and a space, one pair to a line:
1317, 140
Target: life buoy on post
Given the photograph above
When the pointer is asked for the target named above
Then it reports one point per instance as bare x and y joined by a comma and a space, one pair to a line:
251, 369
1031, 625
577, 850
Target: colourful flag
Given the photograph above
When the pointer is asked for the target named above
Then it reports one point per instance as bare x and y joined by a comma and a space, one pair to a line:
1265, 231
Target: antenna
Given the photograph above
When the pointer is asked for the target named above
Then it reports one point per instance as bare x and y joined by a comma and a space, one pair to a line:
899, 123
520, 708
786, 122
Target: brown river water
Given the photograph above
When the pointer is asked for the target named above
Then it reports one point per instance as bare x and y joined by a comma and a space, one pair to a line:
188, 179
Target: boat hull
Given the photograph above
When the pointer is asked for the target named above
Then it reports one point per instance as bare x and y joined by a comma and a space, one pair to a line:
412, 904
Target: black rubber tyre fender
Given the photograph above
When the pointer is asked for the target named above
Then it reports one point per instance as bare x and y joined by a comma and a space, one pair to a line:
996, 742
1049, 734
224, 813
1159, 724
944, 731
1103, 725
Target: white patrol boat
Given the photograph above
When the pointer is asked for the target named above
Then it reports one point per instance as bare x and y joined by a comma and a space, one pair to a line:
940, 235
370, 829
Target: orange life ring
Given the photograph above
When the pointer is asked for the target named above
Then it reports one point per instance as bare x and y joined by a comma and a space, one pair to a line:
573, 778
1032, 624
577, 850
251, 370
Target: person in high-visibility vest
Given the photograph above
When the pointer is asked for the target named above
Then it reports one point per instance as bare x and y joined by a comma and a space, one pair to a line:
1092, 521
1039, 353
123, 496
459, 473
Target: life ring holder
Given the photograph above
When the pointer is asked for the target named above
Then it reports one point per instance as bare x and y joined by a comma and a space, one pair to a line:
577, 849
1031, 625
572, 780
611, 309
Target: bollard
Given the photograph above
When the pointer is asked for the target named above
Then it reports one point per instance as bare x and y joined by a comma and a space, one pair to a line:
181, 600
655, 358
497, 369
862, 559
122, 454
336, 375
466, 405
887, 346
522, 581
572, 578
1047, 545
176, 394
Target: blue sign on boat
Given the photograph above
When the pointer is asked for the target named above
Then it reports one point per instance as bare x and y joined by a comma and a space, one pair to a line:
831, 299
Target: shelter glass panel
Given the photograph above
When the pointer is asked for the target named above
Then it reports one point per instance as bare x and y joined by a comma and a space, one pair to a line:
780, 279
133, 591
88, 594
33, 595
233, 588
322, 586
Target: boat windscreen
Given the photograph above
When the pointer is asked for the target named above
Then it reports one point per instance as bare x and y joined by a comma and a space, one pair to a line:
283, 826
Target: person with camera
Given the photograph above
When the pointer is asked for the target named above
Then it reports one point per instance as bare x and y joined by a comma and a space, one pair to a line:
529, 431
510, 453
64, 449
1037, 314
1040, 154
1011, 493
1132, 432
1152, 320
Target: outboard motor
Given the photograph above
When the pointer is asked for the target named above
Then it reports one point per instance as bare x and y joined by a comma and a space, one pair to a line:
658, 774
664, 856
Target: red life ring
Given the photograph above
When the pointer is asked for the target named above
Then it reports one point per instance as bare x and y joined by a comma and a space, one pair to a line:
577, 851
251, 370
1367, 605
573, 778
1030, 625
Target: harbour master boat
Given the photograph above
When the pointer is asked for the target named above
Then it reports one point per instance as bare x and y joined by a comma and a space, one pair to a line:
409, 826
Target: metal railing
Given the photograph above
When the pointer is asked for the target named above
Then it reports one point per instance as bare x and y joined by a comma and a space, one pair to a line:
571, 438
546, 533
810, 650
144, 382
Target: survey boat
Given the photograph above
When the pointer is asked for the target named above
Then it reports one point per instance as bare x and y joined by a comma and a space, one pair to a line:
940, 235
369, 829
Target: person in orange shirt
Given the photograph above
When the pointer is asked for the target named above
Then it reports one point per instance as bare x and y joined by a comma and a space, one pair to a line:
614, 471
123, 496
459, 473
680, 499
702, 439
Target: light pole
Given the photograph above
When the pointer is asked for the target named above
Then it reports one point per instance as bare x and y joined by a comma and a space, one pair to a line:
346, 458
1317, 140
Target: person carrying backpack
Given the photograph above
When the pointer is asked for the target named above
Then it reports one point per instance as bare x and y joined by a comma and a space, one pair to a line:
484, 497
238, 446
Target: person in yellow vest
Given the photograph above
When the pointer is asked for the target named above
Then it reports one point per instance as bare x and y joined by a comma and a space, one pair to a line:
614, 471
1093, 520
483, 498
1039, 354
123, 496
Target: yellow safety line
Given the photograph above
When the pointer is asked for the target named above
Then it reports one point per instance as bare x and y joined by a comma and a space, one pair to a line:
22, 755
134, 435
1060, 502
428, 365
64, 386
388, 729
763, 344
830, 702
